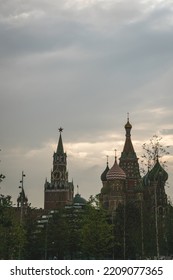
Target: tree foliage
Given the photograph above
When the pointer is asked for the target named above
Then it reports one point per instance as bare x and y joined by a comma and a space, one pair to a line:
152, 150
12, 235
96, 232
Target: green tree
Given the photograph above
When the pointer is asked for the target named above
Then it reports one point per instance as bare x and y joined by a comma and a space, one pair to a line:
5, 225
51, 236
96, 232
74, 218
12, 235
152, 150
127, 231
155, 222
169, 230
30, 246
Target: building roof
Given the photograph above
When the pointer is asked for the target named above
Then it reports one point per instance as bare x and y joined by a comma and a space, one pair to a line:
79, 200
128, 150
103, 175
60, 149
157, 172
116, 172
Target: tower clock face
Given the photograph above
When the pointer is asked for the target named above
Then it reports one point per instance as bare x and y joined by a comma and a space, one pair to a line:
60, 175
57, 175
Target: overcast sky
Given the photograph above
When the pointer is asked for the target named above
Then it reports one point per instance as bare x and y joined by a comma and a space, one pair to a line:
82, 65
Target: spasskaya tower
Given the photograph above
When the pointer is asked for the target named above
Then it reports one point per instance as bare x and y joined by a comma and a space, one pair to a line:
59, 191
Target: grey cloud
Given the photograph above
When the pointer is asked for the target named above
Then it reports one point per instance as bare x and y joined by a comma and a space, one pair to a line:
83, 70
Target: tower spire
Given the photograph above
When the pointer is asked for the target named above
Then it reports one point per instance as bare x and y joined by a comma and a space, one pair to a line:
128, 159
128, 146
60, 149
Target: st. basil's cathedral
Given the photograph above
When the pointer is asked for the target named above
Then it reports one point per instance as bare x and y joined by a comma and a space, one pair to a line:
122, 183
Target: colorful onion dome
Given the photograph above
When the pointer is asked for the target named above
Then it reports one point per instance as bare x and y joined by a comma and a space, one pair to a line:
157, 172
103, 175
116, 172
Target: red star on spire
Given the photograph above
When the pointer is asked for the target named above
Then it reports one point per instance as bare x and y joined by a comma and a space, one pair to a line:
60, 129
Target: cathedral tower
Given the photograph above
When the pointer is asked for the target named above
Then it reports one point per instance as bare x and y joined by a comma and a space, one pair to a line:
59, 192
129, 163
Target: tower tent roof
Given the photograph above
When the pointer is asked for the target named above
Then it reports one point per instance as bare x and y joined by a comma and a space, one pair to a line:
60, 149
128, 150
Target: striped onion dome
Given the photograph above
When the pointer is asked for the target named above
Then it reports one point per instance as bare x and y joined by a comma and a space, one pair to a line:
116, 172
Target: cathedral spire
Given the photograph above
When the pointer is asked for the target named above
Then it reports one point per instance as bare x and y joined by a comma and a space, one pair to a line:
128, 150
128, 159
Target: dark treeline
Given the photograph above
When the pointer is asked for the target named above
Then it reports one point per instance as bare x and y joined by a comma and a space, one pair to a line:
84, 233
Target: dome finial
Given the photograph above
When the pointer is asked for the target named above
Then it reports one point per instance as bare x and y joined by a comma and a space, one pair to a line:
107, 160
157, 154
128, 125
115, 153
128, 116
77, 189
